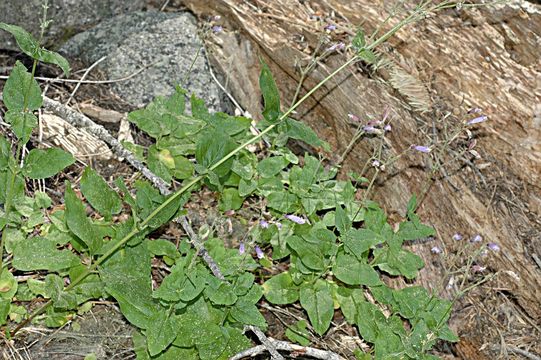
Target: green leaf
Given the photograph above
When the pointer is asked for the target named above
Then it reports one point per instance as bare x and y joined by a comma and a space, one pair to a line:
318, 303
52, 57
300, 131
230, 200
280, 289
127, 278
41, 164
78, 222
212, 146
5, 152
61, 299
8, 285
22, 124
359, 42
399, 262
410, 230
162, 247
21, 92
358, 241
5, 305
38, 253
412, 205
369, 316
271, 166
30, 47
231, 125
161, 332
247, 313
160, 162
342, 221
349, 270
283, 201
221, 293
298, 333
180, 285
184, 168
310, 254
96, 191
368, 56
148, 199
221, 342
271, 96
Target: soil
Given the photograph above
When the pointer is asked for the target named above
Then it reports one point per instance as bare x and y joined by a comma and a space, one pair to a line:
433, 71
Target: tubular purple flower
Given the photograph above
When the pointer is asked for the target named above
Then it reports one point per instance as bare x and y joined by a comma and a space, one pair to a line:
353, 117
423, 149
477, 120
457, 237
493, 247
337, 46
436, 250
296, 219
259, 252
474, 111
387, 128
370, 129
217, 28
330, 27
376, 163
477, 238
242, 248
278, 224
264, 224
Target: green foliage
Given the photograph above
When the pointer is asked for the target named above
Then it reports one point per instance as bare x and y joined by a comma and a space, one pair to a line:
31, 47
327, 257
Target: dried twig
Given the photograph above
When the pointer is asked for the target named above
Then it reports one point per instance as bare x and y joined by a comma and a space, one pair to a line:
285, 346
269, 346
83, 77
80, 121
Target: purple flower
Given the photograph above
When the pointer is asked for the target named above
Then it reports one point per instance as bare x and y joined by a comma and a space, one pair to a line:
423, 149
241, 248
354, 117
376, 163
278, 224
216, 29
387, 128
436, 250
477, 238
296, 219
330, 27
216, 17
264, 224
474, 111
478, 268
494, 247
259, 252
337, 46
477, 120
369, 129
457, 237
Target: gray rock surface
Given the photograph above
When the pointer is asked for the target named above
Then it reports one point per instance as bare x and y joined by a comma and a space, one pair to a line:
68, 17
133, 41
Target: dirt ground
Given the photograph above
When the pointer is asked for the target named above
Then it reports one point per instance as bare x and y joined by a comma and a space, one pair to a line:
486, 57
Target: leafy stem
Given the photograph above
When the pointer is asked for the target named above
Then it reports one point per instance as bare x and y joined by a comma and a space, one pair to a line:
15, 170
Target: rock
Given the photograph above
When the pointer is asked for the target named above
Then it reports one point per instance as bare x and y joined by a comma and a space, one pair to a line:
68, 17
165, 42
